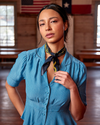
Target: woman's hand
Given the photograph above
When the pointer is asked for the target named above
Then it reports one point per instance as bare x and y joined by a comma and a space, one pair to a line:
64, 78
77, 108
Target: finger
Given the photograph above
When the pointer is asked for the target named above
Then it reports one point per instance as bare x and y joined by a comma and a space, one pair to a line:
58, 81
60, 75
61, 72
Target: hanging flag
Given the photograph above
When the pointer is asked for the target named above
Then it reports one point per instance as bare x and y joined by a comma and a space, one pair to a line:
77, 6
27, 2
33, 6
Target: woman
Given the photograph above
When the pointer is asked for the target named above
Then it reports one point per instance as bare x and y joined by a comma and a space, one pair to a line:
55, 80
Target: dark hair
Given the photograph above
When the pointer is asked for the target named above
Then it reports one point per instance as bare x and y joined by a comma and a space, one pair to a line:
58, 9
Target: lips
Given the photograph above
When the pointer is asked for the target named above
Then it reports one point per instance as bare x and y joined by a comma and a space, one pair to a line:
49, 35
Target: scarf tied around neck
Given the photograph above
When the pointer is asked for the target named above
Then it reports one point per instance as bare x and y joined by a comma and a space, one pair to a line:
54, 58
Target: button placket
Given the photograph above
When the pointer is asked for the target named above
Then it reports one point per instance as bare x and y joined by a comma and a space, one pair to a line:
46, 100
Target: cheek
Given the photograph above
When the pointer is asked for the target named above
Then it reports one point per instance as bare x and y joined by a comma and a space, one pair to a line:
60, 28
41, 31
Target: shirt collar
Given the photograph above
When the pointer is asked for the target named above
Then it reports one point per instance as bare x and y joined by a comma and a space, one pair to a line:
41, 54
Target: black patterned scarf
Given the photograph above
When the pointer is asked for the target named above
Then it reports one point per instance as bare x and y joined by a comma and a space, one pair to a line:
53, 57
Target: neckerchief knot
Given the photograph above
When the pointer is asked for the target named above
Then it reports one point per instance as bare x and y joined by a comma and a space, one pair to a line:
54, 58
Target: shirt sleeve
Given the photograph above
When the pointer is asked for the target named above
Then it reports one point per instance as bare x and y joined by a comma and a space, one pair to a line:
82, 82
17, 73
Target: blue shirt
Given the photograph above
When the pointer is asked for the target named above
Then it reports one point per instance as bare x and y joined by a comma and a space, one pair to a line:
46, 103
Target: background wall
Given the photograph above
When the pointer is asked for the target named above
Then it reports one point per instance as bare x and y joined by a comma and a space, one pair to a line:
83, 29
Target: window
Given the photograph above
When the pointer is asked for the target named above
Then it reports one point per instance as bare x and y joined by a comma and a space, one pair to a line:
7, 25
97, 25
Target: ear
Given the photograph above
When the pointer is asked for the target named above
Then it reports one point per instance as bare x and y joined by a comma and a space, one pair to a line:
65, 25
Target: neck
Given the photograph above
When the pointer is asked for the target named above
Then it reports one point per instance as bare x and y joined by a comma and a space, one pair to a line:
55, 47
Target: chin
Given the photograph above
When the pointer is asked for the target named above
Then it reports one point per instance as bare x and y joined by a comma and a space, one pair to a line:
52, 42
55, 41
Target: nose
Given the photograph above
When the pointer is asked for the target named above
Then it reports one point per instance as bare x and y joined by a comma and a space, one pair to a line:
47, 27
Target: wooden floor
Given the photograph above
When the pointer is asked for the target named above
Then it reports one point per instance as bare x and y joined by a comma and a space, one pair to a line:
9, 115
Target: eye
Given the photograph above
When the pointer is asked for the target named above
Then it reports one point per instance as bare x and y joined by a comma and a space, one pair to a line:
54, 21
41, 24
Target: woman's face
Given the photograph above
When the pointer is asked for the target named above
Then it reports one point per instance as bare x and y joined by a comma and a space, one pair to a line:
51, 26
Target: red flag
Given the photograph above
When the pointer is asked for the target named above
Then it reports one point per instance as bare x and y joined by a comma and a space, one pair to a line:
78, 6
34, 7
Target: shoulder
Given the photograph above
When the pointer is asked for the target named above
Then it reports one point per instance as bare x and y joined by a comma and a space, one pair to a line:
77, 64
31, 53
28, 53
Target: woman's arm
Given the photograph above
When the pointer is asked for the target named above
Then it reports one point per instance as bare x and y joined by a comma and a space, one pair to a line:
15, 98
77, 107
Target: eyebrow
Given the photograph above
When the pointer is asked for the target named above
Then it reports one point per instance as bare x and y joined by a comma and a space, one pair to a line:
49, 18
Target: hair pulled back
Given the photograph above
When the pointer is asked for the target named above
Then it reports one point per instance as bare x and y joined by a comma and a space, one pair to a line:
59, 10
